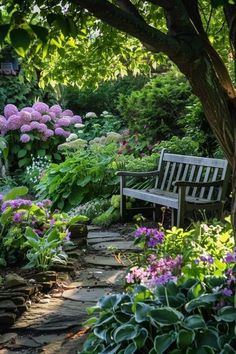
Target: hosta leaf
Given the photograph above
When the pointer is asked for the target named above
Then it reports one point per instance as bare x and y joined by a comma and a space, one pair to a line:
204, 300
16, 192
166, 316
164, 341
141, 338
194, 322
185, 338
227, 314
142, 311
227, 349
131, 349
125, 332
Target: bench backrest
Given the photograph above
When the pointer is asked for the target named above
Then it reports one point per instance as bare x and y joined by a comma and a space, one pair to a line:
175, 167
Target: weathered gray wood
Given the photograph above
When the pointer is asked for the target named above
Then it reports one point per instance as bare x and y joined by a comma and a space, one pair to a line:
200, 183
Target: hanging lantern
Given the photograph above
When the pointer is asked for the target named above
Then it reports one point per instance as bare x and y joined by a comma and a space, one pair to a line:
9, 64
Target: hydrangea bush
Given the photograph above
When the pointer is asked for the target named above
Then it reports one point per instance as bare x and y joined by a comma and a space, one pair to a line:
36, 130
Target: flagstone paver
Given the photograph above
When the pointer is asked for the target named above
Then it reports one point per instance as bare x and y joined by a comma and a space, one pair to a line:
53, 324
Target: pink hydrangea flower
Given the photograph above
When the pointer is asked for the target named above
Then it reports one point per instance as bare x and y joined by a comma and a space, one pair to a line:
52, 115
48, 133
76, 119
27, 109
68, 112
42, 127
36, 116
25, 128
34, 125
45, 118
41, 107
56, 109
60, 131
64, 122
13, 122
9, 110
3, 123
25, 138
25, 117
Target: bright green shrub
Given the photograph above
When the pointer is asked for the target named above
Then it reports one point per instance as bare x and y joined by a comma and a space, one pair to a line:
177, 145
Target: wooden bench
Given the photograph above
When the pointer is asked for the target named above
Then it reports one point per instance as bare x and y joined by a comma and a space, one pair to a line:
182, 183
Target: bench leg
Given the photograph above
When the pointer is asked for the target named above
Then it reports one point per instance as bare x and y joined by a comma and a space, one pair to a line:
173, 217
156, 213
181, 207
122, 199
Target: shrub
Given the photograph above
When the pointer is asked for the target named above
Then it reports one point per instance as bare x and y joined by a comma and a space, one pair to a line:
156, 108
35, 130
183, 146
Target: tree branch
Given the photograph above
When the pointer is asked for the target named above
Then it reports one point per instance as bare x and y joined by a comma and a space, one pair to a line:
151, 37
128, 7
230, 15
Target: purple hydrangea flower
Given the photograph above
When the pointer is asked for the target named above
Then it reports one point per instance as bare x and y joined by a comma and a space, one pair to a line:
24, 138
10, 110
48, 133
36, 116
45, 118
56, 109
67, 112
27, 109
64, 122
42, 128
230, 258
227, 292
60, 131
25, 128
13, 122
25, 117
47, 203
41, 107
52, 115
35, 125
76, 119
3, 123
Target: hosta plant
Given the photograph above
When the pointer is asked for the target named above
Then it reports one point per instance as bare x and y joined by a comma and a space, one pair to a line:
192, 318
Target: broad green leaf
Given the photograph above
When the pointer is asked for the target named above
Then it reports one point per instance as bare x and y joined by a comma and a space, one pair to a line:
100, 332
22, 153
166, 316
41, 32
194, 322
3, 31
227, 314
131, 349
208, 338
141, 312
164, 341
204, 300
16, 192
20, 40
227, 349
141, 338
185, 338
125, 332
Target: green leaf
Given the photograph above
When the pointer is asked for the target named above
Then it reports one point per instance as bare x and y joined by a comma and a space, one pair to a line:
41, 32
111, 349
227, 314
100, 332
22, 153
3, 31
125, 332
20, 40
109, 301
131, 349
227, 349
16, 192
78, 218
204, 300
141, 338
185, 338
24, 162
194, 322
141, 312
164, 341
208, 338
166, 316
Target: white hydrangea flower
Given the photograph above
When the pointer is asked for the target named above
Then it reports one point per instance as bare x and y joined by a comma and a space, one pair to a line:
90, 115
105, 113
71, 137
79, 125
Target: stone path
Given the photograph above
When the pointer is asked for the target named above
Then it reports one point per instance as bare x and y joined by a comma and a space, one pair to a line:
54, 324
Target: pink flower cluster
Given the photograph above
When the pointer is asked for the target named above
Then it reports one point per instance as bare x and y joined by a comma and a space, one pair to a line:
40, 119
158, 272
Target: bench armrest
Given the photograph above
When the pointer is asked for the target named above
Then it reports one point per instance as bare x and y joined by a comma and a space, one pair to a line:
198, 184
137, 174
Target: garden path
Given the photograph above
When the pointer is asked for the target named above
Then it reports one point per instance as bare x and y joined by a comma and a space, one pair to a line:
54, 325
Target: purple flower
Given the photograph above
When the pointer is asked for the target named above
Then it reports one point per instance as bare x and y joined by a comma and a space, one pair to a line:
36, 116
1, 197
41, 107
60, 131
68, 113
56, 109
52, 222
64, 122
3, 123
76, 119
129, 278
16, 203
52, 115
47, 203
45, 118
230, 258
18, 216
24, 138
68, 234
13, 122
9, 110
25, 117
48, 133
227, 292
25, 128
42, 128
27, 109
196, 261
